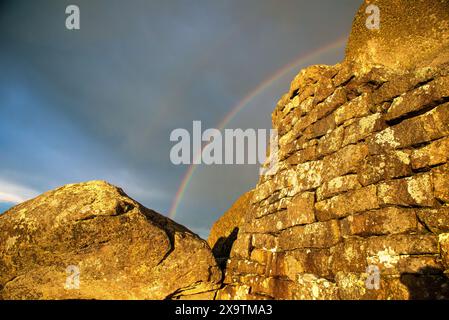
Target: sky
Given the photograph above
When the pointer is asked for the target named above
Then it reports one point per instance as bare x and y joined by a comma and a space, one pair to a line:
99, 103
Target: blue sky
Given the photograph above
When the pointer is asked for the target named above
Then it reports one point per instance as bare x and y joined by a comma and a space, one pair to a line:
5, 206
100, 102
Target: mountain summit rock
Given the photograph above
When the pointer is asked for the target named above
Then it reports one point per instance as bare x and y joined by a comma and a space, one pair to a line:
359, 208
91, 241
410, 34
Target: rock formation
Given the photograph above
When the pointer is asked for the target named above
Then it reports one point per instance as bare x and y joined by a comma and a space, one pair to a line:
362, 187
224, 231
358, 208
411, 34
117, 248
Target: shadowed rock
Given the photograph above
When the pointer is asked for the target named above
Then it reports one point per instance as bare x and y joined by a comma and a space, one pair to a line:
427, 284
224, 231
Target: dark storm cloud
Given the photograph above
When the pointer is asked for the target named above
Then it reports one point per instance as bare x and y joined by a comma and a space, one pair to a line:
100, 103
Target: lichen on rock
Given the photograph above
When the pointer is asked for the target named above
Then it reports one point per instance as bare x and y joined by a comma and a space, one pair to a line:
366, 139
117, 248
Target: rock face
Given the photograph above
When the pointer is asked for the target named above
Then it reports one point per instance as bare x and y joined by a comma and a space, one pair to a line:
359, 206
224, 231
115, 247
411, 34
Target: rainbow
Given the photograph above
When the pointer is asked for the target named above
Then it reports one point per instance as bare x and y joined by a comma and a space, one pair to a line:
303, 59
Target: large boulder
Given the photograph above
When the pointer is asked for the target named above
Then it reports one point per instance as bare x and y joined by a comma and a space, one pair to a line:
410, 34
91, 241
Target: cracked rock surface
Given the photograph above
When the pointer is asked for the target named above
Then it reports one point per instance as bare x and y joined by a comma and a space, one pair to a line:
120, 249
359, 205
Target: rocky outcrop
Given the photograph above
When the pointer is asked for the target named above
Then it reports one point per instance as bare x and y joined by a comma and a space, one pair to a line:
224, 231
359, 206
91, 241
411, 34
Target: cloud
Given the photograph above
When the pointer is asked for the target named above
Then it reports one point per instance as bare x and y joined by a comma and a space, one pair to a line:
143, 190
100, 103
15, 193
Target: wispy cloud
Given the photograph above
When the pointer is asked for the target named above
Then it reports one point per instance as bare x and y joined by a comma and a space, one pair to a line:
15, 193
